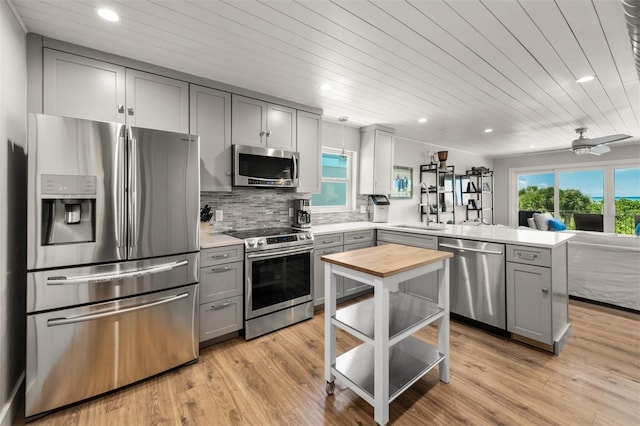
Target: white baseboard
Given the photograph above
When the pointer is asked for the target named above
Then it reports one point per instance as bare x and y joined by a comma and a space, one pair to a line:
14, 405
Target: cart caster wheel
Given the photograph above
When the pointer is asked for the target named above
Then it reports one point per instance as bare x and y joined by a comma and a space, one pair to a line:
331, 386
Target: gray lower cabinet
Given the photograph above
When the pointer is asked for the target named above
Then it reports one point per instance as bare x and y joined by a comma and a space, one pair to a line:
352, 241
221, 291
537, 295
416, 286
324, 245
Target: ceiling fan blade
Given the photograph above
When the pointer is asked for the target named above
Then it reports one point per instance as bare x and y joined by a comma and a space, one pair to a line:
608, 139
599, 149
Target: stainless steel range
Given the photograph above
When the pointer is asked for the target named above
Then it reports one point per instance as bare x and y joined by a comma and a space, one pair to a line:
278, 278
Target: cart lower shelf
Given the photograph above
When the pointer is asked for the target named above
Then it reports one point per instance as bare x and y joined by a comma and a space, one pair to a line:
409, 360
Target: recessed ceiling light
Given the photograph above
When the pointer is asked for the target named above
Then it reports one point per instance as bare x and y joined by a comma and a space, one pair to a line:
488, 130
108, 14
585, 79
326, 86
422, 120
532, 146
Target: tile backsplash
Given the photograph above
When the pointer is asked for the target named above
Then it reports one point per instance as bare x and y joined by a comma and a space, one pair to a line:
249, 208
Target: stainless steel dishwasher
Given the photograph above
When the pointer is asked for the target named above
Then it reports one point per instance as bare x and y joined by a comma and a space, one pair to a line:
477, 280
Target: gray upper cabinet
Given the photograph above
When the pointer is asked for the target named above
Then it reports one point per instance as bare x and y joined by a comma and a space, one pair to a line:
157, 102
258, 123
309, 145
376, 160
79, 87
210, 118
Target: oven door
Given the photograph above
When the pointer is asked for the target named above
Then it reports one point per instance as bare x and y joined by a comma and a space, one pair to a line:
278, 279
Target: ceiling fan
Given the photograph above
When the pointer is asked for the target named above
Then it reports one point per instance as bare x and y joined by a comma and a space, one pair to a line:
596, 146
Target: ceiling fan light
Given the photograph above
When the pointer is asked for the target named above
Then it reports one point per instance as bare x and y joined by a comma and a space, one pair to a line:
583, 150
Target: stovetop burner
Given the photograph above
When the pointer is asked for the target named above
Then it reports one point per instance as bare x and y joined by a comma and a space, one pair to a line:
262, 232
271, 238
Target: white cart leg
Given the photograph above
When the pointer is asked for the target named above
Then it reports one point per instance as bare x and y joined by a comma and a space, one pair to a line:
381, 352
443, 323
329, 329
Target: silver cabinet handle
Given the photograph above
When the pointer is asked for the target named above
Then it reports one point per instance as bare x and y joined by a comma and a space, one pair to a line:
130, 110
359, 238
545, 290
80, 318
220, 256
527, 256
92, 279
262, 133
120, 109
215, 307
268, 133
329, 241
463, 249
217, 270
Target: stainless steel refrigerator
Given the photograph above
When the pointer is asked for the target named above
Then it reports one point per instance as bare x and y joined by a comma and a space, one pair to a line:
112, 262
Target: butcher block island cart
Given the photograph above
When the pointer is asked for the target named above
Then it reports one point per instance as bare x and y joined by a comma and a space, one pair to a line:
389, 360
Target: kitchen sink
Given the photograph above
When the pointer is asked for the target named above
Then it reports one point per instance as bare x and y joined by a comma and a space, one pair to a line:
424, 228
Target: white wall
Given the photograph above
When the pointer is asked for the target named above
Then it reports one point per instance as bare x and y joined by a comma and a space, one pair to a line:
13, 129
568, 159
411, 153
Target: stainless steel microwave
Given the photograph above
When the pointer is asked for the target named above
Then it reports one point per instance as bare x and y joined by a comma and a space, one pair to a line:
265, 167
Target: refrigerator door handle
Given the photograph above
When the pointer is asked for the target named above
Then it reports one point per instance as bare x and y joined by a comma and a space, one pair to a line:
120, 193
92, 279
80, 318
133, 191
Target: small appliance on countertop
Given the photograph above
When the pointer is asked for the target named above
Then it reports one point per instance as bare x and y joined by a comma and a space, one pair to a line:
301, 214
378, 208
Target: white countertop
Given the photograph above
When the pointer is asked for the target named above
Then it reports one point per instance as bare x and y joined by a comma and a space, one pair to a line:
208, 240
498, 234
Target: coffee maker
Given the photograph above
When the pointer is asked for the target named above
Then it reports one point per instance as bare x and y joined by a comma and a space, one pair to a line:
301, 213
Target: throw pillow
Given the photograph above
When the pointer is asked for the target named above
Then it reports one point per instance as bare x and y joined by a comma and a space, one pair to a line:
531, 223
556, 225
541, 220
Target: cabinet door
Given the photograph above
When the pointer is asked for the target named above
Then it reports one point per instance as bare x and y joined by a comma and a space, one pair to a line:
78, 87
156, 102
383, 154
249, 123
210, 118
529, 301
281, 127
309, 145
350, 286
425, 287
318, 275
220, 317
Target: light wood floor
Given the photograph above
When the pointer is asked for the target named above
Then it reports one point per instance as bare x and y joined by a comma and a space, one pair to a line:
278, 380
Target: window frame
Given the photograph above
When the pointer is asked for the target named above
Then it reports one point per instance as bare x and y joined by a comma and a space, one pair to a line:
350, 181
608, 168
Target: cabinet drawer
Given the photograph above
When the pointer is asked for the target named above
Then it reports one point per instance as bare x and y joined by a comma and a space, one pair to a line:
424, 241
357, 246
328, 240
359, 236
220, 281
529, 255
219, 255
220, 317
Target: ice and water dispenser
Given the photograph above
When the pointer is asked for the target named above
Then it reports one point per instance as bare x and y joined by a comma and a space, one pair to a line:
68, 209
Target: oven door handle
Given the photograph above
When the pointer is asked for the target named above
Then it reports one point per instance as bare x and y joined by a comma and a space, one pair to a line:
280, 253
74, 319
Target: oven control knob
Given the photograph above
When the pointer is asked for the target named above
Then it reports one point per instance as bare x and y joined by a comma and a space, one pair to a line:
251, 243
303, 237
308, 236
260, 242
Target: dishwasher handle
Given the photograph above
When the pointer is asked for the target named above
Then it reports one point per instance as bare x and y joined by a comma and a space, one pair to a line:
474, 250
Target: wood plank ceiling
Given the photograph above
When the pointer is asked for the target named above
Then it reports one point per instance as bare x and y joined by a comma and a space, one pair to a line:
465, 65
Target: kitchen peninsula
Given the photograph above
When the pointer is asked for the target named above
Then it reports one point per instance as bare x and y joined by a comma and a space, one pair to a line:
533, 291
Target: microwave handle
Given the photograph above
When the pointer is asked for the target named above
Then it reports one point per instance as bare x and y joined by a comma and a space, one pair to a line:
295, 167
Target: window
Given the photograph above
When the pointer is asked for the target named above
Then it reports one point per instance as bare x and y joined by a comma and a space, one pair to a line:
604, 197
337, 188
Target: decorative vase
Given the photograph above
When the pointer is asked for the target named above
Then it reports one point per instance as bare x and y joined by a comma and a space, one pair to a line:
442, 156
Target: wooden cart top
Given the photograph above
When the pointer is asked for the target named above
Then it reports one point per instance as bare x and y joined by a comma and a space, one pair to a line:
389, 259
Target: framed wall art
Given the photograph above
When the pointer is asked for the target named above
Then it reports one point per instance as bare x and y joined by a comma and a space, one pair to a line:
402, 182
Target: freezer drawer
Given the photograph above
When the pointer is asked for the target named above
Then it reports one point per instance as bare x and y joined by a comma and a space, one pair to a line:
74, 354
60, 288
